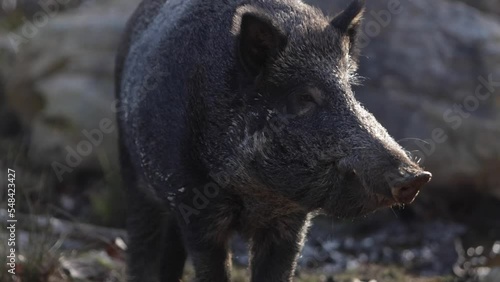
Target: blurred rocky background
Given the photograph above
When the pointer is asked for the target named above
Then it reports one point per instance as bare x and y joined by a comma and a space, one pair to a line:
431, 75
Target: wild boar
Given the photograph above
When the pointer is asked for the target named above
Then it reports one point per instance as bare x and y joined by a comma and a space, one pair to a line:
238, 116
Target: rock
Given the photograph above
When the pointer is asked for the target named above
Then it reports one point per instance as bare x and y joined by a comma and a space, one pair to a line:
61, 84
487, 6
422, 60
93, 266
30, 7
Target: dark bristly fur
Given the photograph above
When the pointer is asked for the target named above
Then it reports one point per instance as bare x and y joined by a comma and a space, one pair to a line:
238, 116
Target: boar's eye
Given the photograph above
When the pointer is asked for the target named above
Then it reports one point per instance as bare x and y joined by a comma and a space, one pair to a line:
306, 98
301, 103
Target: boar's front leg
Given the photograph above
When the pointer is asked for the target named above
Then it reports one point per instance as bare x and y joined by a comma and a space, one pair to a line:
275, 249
211, 263
207, 241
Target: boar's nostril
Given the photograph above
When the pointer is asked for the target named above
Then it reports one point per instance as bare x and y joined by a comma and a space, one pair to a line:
406, 191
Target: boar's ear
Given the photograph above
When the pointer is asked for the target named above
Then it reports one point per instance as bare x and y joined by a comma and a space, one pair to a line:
349, 21
259, 41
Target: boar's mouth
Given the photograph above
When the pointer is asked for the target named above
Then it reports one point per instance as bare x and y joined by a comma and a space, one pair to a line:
378, 201
364, 206
359, 198
400, 191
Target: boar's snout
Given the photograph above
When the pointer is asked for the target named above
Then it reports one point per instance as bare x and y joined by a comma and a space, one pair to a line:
407, 189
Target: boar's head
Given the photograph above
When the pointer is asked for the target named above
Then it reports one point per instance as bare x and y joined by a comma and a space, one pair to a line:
309, 138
